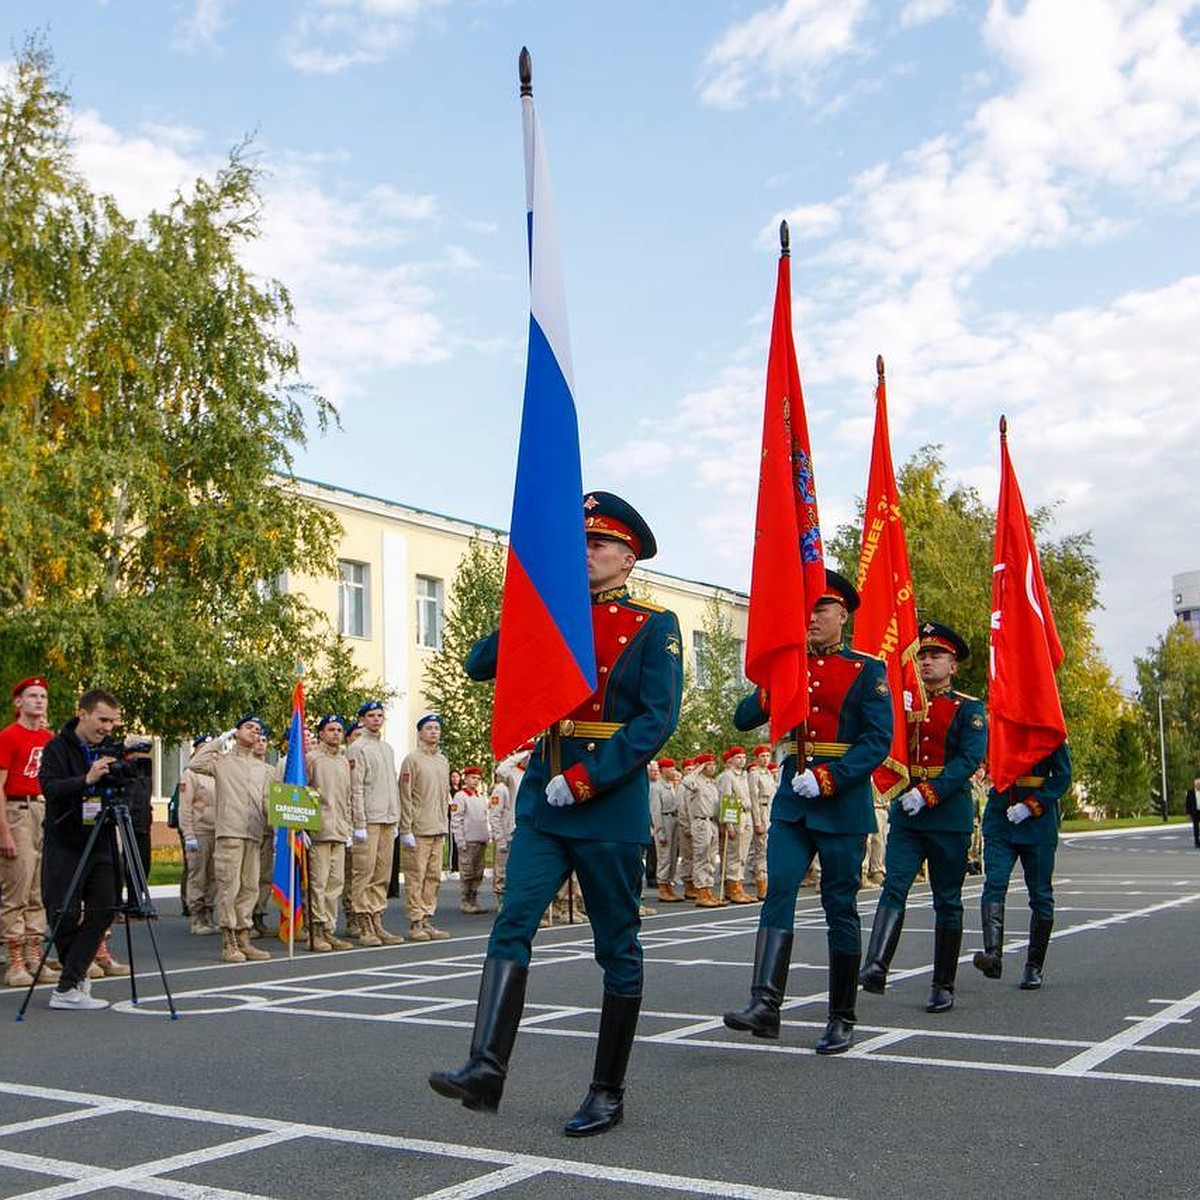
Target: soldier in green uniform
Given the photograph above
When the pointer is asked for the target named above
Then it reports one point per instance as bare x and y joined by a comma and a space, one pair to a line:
932, 821
1022, 822
822, 808
592, 818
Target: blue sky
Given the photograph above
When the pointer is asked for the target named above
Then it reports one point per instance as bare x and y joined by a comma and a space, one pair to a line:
1000, 198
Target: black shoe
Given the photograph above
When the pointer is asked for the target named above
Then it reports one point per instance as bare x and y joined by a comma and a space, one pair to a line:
990, 959
837, 1038
603, 1107
480, 1083
881, 949
843, 987
772, 955
1039, 940
946, 945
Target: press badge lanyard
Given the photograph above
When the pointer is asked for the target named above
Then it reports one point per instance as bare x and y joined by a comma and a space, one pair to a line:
91, 806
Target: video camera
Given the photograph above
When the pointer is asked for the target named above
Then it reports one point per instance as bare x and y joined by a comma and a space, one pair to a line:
127, 755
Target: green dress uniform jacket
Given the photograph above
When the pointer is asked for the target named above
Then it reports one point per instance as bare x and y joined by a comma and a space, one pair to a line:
1042, 789
608, 740
847, 735
945, 750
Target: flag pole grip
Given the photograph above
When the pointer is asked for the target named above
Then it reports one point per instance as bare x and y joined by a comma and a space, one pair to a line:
554, 746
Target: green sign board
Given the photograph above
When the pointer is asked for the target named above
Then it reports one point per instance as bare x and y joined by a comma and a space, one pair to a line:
731, 810
294, 807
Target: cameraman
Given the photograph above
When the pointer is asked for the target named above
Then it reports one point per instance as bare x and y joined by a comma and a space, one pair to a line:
72, 778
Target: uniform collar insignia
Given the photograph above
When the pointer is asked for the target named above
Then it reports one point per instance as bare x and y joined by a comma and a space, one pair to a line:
617, 593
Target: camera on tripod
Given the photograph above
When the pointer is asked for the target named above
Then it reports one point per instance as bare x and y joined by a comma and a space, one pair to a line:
127, 756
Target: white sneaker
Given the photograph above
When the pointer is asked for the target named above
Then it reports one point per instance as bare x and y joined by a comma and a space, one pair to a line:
76, 999
85, 986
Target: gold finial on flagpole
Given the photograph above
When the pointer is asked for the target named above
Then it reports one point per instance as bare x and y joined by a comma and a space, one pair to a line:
879, 367
525, 71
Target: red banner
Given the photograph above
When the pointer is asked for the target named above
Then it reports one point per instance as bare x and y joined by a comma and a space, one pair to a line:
886, 622
788, 573
1025, 719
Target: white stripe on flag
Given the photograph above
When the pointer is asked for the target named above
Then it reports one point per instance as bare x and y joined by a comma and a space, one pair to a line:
547, 299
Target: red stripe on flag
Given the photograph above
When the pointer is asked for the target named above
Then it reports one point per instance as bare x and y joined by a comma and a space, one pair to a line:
541, 680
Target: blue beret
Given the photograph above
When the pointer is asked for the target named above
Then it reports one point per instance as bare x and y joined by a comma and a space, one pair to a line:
370, 706
427, 718
327, 718
262, 725
200, 739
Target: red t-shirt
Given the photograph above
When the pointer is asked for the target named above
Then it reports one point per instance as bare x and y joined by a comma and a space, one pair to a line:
21, 757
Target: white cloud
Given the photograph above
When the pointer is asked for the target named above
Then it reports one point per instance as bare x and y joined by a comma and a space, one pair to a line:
200, 28
785, 44
360, 284
921, 12
330, 36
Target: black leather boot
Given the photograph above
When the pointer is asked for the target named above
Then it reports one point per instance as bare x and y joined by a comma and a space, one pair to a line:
990, 959
604, 1106
480, 1083
947, 943
1039, 939
843, 987
885, 936
772, 956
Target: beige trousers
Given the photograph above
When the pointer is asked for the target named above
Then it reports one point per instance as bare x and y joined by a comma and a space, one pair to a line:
422, 877
372, 866
326, 878
21, 912
236, 866
201, 875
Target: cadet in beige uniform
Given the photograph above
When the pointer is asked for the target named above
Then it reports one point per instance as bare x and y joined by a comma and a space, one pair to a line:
683, 827
502, 815
198, 828
704, 805
733, 781
469, 827
328, 772
375, 804
241, 778
762, 789
424, 813
664, 824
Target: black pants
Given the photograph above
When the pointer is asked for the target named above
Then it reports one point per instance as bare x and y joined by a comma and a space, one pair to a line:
77, 939
1196, 828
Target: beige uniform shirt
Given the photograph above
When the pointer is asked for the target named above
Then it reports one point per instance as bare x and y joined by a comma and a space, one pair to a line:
502, 813
424, 792
469, 817
329, 772
240, 780
703, 798
197, 805
373, 798
736, 784
663, 802
762, 792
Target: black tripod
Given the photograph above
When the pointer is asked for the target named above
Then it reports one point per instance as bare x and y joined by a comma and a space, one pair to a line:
133, 893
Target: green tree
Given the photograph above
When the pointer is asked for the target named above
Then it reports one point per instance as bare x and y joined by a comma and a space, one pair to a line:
712, 689
150, 406
472, 611
950, 533
1171, 670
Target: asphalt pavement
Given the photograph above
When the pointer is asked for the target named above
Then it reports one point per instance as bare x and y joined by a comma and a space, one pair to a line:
306, 1077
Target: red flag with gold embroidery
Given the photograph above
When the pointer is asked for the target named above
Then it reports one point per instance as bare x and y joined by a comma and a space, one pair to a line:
1025, 717
788, 574
886, 622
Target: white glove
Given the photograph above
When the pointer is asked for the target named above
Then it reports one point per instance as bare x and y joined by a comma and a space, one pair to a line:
408, 841
359, 836
804, 783
191, 845
912, 802
558, 793
1019, 812
349, 842
225, 738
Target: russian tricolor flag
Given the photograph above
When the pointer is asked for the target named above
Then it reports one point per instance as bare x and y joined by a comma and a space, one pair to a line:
547, 662
288, 880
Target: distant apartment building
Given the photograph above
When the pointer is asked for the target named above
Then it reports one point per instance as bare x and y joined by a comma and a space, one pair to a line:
1185, 596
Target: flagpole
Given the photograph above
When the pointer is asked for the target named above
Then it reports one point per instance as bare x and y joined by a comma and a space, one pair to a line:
291, 896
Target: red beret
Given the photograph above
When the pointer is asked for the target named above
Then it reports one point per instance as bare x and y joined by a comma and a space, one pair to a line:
32, 681
701, 759
472, 771
761, 749
665, 763
732, 751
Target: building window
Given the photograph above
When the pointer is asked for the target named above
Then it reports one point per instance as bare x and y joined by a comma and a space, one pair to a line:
430, 612
700, 657
354, 599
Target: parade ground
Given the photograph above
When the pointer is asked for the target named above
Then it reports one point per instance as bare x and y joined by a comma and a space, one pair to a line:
307, 1078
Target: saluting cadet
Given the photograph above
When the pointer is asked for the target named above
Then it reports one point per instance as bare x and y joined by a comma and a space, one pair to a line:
733, 782
932, 821
822, 807
591, 818
664, 804
762, 789
704, 805
329, 772
1022, 822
